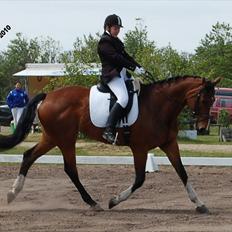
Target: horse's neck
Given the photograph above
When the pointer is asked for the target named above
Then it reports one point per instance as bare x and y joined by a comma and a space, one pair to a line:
175, 94
178, 91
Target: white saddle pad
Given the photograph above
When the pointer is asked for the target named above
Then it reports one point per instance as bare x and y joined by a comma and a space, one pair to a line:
99, 104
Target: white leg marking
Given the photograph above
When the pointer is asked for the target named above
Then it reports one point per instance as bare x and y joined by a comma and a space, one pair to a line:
125, 194
122, 196
193, 196
16, 188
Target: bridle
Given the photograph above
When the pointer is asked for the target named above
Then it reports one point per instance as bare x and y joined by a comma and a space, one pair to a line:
196, 112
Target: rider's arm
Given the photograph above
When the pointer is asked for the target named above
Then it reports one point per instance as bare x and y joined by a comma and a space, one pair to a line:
111, 54
131, 59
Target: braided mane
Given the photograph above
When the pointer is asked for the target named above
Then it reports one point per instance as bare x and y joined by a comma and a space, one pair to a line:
173, 79
164, 82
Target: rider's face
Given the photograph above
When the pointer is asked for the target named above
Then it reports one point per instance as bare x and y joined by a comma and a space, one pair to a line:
114, 31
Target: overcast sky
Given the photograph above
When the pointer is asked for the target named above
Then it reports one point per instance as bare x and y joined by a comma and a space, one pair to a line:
181, 23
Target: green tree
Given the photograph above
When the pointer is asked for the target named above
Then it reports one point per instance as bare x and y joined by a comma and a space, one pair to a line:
141, 48
160, 62
21, 51
83, 57
49, 50
185, 119
18, 53
172, 63
85, 50
213, 56
224, 118
4, 81
137, 40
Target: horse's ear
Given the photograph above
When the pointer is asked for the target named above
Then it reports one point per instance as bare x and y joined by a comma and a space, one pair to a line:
216, 81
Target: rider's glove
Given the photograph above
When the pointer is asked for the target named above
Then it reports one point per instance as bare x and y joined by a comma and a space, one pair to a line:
139, 71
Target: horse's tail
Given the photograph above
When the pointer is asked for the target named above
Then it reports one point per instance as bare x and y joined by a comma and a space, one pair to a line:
24, 124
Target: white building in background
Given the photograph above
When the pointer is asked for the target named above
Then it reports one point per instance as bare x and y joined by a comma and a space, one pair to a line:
37, 75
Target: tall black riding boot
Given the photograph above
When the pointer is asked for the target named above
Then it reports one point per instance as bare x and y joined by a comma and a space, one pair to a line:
115, 115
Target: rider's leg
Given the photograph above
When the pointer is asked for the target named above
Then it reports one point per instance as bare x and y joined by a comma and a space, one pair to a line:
118, 87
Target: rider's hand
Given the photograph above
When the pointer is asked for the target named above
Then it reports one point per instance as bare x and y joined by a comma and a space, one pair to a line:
139, 71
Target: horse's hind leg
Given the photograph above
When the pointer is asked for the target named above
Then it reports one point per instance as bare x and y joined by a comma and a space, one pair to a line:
140, 158
68, 151
172, 151
29, 158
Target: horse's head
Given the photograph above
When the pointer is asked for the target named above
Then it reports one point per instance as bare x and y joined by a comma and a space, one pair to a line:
200, 101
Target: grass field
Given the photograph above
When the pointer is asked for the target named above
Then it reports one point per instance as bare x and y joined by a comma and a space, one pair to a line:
89, 147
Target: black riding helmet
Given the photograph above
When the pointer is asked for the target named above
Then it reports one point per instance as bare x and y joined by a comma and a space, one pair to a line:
112, 20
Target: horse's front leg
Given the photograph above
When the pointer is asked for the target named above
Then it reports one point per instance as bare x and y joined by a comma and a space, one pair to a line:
172, 151
71, 170
140, 159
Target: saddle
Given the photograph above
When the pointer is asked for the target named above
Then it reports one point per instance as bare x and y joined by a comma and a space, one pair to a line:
102, 99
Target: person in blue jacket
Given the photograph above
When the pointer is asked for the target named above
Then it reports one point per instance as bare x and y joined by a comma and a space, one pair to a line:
17, 99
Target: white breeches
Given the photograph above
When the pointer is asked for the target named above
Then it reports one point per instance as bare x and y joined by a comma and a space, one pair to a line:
17, 112
118, 87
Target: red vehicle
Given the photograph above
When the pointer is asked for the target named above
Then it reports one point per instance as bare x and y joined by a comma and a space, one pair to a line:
223, 100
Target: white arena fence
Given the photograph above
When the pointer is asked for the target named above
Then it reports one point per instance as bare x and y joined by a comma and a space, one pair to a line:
152, 161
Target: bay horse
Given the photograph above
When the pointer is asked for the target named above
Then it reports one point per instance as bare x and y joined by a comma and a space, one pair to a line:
65, 112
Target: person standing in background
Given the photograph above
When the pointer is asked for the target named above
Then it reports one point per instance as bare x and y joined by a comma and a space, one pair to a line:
17, 99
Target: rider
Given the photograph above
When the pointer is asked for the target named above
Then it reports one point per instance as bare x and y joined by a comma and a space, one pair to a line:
115, 62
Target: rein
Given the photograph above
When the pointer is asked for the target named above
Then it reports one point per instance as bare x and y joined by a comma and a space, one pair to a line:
149, 77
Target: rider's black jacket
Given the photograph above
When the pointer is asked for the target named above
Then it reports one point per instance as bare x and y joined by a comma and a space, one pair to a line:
113, 57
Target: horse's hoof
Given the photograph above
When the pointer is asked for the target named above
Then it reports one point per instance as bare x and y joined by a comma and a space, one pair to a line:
96, 208
10, 197
202, 209
112, 202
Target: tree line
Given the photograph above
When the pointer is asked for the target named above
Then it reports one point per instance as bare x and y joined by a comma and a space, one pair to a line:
212, 58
